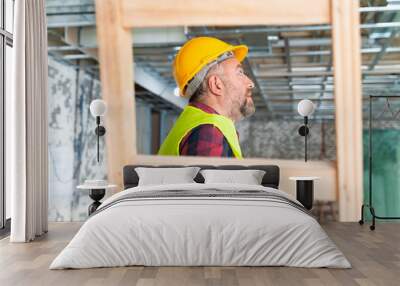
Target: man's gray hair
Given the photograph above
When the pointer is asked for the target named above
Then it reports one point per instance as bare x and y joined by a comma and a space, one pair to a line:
198, 79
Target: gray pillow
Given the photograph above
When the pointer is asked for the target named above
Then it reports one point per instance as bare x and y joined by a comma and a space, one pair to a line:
162, 176
248, 177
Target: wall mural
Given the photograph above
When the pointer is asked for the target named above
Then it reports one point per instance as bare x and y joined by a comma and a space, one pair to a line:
72, 142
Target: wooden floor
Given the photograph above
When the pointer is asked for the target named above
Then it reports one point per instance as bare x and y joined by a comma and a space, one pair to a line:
375, 257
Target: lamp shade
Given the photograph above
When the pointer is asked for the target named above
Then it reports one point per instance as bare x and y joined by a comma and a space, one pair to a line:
305, 107
98, 107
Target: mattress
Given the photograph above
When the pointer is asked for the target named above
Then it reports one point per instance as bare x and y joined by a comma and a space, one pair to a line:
201, 225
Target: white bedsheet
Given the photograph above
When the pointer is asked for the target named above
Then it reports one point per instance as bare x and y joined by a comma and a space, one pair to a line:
200, 231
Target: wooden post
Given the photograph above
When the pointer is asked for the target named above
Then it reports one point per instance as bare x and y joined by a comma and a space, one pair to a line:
116, 73
348, 104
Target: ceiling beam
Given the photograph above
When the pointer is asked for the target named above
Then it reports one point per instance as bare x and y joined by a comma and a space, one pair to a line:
157, 85
73, 37
321, 73
163, 36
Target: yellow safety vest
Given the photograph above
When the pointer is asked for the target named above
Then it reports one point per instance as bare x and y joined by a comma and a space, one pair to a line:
190, 118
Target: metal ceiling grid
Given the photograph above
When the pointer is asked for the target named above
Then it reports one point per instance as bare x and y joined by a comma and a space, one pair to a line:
286, 63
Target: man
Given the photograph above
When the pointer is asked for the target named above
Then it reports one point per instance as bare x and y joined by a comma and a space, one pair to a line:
208, 71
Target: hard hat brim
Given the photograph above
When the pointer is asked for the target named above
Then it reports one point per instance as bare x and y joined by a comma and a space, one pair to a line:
240, 52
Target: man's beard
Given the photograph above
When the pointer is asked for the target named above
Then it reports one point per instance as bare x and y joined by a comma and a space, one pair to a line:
239, 110
247, 108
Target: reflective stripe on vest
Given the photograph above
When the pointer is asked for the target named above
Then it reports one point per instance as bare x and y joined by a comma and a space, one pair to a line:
190, 118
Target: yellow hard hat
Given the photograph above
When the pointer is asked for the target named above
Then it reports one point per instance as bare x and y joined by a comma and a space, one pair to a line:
196, 54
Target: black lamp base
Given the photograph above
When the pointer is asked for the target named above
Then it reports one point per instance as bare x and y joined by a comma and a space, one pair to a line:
304, 130
305, 193
96, 195
100, 130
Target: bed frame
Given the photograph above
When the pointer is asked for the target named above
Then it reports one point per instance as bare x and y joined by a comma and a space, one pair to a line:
270, 179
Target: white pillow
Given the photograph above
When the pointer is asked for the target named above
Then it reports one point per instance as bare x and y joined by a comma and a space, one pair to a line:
248, 177
162, 176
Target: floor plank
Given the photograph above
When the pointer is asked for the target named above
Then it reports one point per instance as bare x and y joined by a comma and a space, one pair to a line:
374, 255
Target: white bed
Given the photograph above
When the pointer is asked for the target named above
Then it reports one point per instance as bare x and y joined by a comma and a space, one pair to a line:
201, 224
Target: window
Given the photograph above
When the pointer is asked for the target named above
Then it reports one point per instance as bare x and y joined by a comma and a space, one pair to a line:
6, 45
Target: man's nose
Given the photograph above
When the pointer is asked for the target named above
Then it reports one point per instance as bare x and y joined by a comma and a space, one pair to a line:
251, 84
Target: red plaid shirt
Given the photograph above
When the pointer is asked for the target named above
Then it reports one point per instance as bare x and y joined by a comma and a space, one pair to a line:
205, 139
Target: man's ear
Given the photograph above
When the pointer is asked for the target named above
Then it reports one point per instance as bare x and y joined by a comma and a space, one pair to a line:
215, 85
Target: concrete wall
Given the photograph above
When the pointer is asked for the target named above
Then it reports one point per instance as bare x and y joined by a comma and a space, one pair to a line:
72, 142
279, 139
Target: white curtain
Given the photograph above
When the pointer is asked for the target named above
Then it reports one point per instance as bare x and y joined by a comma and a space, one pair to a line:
26, 118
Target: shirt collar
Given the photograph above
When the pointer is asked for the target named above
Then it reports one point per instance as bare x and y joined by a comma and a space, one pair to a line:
204, 107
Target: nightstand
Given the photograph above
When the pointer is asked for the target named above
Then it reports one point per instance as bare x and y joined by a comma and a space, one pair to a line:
305, 190
96, 193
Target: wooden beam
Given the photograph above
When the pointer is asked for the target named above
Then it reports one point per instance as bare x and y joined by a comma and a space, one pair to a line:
116, 73
224, 12
348, 101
